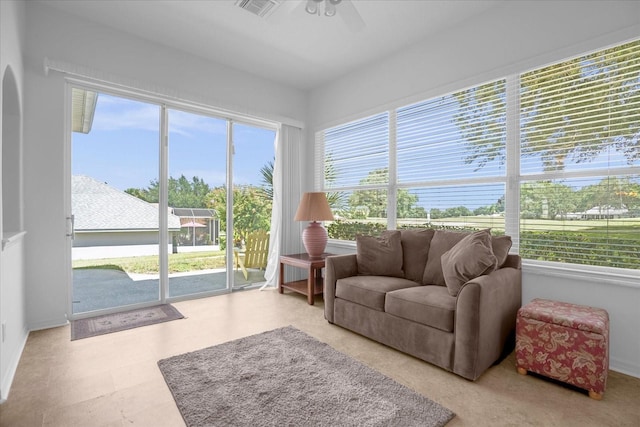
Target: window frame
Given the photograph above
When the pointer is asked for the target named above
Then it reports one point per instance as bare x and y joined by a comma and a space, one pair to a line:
512, 181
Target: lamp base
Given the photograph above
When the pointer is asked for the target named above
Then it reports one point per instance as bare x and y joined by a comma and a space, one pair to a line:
314, 238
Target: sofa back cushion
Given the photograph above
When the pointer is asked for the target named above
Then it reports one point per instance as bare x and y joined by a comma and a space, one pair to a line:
442, 241
380, 256
469, 258
501, 246
415, 250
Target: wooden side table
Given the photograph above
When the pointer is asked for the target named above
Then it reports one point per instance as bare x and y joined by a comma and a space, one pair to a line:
313, 285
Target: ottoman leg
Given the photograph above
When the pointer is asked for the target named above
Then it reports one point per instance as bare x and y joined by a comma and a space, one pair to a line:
522, 371
594, 395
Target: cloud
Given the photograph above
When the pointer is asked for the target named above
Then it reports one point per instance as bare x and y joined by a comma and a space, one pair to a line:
116, 114
188, 124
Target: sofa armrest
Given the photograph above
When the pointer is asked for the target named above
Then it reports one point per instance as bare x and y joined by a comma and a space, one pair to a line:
486, 310
336, 267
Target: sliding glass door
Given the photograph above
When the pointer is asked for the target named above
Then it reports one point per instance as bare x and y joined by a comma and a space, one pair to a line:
197, 167
115, 216
253, 160
153, 221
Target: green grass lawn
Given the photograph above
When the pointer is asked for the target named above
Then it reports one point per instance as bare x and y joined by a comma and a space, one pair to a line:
181, 262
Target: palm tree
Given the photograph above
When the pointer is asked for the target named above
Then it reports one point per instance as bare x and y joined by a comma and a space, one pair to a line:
267, 180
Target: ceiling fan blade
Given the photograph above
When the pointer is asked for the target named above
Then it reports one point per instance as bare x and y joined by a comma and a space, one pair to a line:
348, 12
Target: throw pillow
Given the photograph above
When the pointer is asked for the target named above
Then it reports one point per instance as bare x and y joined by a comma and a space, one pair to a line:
469, 258
380, 256
415, 249
442, 241
501, 246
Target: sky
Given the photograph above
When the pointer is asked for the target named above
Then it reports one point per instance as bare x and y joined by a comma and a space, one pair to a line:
122, 147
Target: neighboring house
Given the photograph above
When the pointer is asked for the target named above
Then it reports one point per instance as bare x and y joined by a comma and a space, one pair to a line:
597, 212
199, 226
106, 216
605, 212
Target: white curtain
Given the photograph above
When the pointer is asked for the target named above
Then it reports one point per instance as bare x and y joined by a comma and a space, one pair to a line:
285, 232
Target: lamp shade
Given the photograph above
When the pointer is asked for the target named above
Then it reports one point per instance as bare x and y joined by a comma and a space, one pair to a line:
313, 207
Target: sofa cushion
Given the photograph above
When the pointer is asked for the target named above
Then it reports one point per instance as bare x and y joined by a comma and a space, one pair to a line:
380, 256
469, 258
415, 249
428, 305
501, 246
442, 241
369, 291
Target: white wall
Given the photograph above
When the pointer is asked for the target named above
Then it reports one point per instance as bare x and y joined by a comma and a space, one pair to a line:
511, 38
12, 282
63, 38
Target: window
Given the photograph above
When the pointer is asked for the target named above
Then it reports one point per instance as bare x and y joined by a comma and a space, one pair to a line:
440, 184
355, 173
551, 157
579, 139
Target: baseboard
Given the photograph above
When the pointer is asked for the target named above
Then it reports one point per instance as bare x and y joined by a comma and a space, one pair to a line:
7, 379
48, 324
624, 367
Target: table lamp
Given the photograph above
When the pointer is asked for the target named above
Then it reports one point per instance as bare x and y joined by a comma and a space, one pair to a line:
314, 207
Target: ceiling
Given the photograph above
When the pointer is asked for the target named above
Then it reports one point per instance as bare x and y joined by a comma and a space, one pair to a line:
289, 46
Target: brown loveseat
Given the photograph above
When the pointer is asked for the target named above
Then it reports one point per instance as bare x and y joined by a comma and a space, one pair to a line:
448, 298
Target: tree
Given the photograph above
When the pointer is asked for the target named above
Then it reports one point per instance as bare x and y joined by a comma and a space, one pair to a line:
182, 192
554, 126
458, 211
267, 180
375, 201
547, 200
495, 208
188, 194
481, 120
336, 199
251, 211
612, 192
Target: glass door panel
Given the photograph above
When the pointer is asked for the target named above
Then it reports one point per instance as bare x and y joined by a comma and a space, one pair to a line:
114, 196
197, 172
253, 157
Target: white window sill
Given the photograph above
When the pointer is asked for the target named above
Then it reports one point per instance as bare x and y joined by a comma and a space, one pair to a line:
590, 273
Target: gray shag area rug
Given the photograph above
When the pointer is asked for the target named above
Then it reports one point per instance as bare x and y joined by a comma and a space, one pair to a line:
108, 323
285, 377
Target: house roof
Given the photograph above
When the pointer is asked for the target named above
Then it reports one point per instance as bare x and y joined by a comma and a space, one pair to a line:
97, 206
194, 212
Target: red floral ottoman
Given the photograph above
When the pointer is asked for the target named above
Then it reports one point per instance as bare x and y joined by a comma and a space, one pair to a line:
566, 342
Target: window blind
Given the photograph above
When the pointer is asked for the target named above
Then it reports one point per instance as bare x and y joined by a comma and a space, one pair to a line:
457, 136
552, 155
451, 152
580, 158
357, 154
456, 207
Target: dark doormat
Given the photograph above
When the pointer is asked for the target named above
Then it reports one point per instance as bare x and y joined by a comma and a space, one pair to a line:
106, 324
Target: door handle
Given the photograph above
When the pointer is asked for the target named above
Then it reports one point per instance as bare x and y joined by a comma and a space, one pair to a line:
71, 228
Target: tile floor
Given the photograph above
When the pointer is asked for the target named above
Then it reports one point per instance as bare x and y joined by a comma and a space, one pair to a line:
113, 380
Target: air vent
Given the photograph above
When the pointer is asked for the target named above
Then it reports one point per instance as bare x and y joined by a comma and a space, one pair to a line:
261, 8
